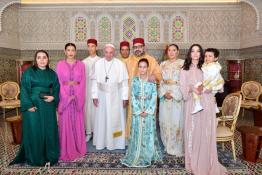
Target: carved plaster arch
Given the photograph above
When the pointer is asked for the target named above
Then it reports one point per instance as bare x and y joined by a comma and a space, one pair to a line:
256, 10
3, 9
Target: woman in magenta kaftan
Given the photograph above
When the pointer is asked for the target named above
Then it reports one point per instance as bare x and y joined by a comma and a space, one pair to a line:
71, 75
199, 128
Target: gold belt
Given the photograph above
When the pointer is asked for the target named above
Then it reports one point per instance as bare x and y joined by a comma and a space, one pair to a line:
71, 83
170, 82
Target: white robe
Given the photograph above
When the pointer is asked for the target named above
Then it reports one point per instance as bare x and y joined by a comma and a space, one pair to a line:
89, 106
171, 119
110, 118
213, 80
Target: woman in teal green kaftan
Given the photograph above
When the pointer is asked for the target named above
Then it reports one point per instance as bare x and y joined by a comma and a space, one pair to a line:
39, 99
143, 147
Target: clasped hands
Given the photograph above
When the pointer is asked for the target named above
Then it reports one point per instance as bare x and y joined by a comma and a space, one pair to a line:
168, 96
143, 114
46, 99
198, 90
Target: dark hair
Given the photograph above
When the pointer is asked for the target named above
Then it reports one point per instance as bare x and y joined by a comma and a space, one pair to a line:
173, 45
188, 60
214, 51
35, 63
167, 47
70, 44
143, 60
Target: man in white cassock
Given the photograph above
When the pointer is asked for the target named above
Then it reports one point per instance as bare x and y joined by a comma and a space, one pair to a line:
110, 95
89, 106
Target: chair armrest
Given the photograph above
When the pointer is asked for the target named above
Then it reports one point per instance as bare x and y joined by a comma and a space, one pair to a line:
225, 118
237, 92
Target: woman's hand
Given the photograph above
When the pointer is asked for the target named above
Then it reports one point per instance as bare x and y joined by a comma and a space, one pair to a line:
200, 88
48, 99
152, 79
168, 96
143, 114
33, 109
195, 90
72, 97
95, 101
125, 103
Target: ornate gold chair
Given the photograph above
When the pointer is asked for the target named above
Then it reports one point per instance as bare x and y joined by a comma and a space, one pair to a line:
9, 92
250, 90
227, 121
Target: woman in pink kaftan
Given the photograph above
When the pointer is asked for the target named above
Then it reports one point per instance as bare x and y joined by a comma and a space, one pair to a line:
71, 75
200, 128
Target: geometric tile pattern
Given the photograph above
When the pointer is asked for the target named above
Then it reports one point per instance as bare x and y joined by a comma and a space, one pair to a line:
104, 29
153, 29
178, 28
80, 29
129, 29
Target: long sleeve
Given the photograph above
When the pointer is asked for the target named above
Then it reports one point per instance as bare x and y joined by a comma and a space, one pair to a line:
218, 85
26, 101
176, 94
184, 86
161, 91
63, 94
94, 88
56, 88
124, 89
136, 107
87, 72
212, 77
157, 71
152, 102
209, 76
124, 81
81, 91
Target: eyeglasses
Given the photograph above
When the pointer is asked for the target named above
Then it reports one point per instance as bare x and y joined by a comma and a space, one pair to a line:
138, 47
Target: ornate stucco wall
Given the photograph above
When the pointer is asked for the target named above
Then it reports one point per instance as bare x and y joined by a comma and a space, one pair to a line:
233, 28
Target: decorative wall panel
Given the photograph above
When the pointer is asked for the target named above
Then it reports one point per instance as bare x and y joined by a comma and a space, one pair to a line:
104, 28
9, 36
81, 28
209, 25
129, 28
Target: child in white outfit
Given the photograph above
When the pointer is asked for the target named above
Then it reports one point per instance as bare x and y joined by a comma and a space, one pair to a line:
212, 78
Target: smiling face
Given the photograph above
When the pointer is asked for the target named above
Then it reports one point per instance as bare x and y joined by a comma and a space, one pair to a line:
210, 57
41, 60
138, 49
172, 52
109, 53
70, 52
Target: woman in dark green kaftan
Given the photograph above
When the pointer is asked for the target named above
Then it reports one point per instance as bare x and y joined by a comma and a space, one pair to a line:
39, 99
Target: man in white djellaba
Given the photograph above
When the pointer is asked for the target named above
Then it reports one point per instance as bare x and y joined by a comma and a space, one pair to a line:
110, 97
89, 106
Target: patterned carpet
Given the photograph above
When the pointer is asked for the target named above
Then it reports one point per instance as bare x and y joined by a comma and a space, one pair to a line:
105, 162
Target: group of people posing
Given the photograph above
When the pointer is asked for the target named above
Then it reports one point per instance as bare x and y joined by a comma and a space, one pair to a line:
114, 101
